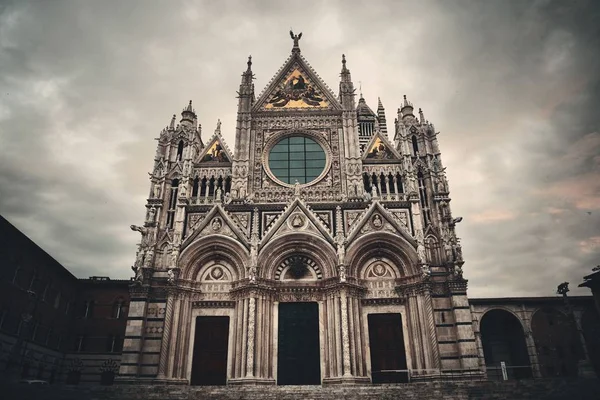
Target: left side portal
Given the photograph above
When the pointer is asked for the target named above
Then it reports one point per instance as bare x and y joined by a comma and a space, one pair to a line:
209, 364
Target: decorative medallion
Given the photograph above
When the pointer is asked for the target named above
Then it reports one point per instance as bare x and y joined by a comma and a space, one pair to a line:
216, 224
376, 222
216, 273
297, 221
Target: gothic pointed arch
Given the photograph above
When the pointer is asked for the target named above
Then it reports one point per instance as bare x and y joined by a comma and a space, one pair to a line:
400, 254
210, 250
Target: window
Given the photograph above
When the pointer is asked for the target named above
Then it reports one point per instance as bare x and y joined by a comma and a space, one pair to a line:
117, 309
415, 146
180, 150
297, 158
88, 309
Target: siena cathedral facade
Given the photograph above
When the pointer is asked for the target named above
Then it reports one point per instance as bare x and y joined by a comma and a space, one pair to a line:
317, 251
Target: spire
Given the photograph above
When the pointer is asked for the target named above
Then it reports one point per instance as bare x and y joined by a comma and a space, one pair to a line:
218, 129
346, 87
248, 76
172, 124
381, 116
421, 117
296, 39
344, 69
188, 116
407, 108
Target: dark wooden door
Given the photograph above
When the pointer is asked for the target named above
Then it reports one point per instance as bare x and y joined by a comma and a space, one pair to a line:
298, 358
209, 365
387, 348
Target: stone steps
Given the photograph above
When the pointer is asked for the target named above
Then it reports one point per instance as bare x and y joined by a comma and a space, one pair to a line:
555, 389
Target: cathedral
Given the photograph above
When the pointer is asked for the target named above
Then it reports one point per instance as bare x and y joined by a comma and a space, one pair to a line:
319, 249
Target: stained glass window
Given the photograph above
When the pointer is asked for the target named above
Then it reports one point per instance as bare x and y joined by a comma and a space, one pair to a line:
297, 158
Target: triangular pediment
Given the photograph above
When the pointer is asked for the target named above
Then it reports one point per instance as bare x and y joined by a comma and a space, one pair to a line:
296, 87
297, 218
380, 150
378, 219
217, 222
216, 152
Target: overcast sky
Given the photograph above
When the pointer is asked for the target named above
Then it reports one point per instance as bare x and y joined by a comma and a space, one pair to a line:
513, 87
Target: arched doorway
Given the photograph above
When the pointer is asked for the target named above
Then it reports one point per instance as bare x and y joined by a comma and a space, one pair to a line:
503, 340
557, 343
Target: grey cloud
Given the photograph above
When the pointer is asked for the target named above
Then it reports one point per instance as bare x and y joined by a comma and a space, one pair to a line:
511, 85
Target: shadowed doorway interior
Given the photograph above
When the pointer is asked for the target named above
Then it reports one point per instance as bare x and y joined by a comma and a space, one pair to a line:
209, 366
298, 359
388, 357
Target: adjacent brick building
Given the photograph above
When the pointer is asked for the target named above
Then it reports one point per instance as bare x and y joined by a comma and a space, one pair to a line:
54, 326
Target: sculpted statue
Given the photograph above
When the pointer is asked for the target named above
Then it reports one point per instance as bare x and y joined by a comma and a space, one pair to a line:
297, 189
295, 38
157, 191
151, 214
227, 198
170, 276
342, 273
341, 253
374, 192
174, 256
426, 271
139, 258
146, 238
457, 251
148, 258
139, 229
421, 253
252, 274
138, 277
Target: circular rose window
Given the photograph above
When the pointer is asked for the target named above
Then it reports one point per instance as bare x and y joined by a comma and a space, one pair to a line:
297, 158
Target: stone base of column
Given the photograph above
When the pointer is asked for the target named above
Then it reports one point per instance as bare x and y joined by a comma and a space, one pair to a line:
251, 381
346, 380
133, 380
170, 381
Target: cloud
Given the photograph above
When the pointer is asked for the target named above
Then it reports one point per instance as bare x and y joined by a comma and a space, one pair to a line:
512, 86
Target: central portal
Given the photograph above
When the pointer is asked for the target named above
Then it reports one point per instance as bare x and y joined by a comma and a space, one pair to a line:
298, 361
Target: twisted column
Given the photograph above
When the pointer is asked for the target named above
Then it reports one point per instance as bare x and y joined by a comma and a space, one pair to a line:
345, 335
164, 348
250, 345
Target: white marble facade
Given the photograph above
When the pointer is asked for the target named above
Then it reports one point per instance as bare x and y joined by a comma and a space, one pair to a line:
228, 234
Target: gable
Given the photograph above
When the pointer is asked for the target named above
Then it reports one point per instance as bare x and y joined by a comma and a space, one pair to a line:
380, 149
216, 222
298, 218
216, 152
296, 87
378, 218
296, 91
